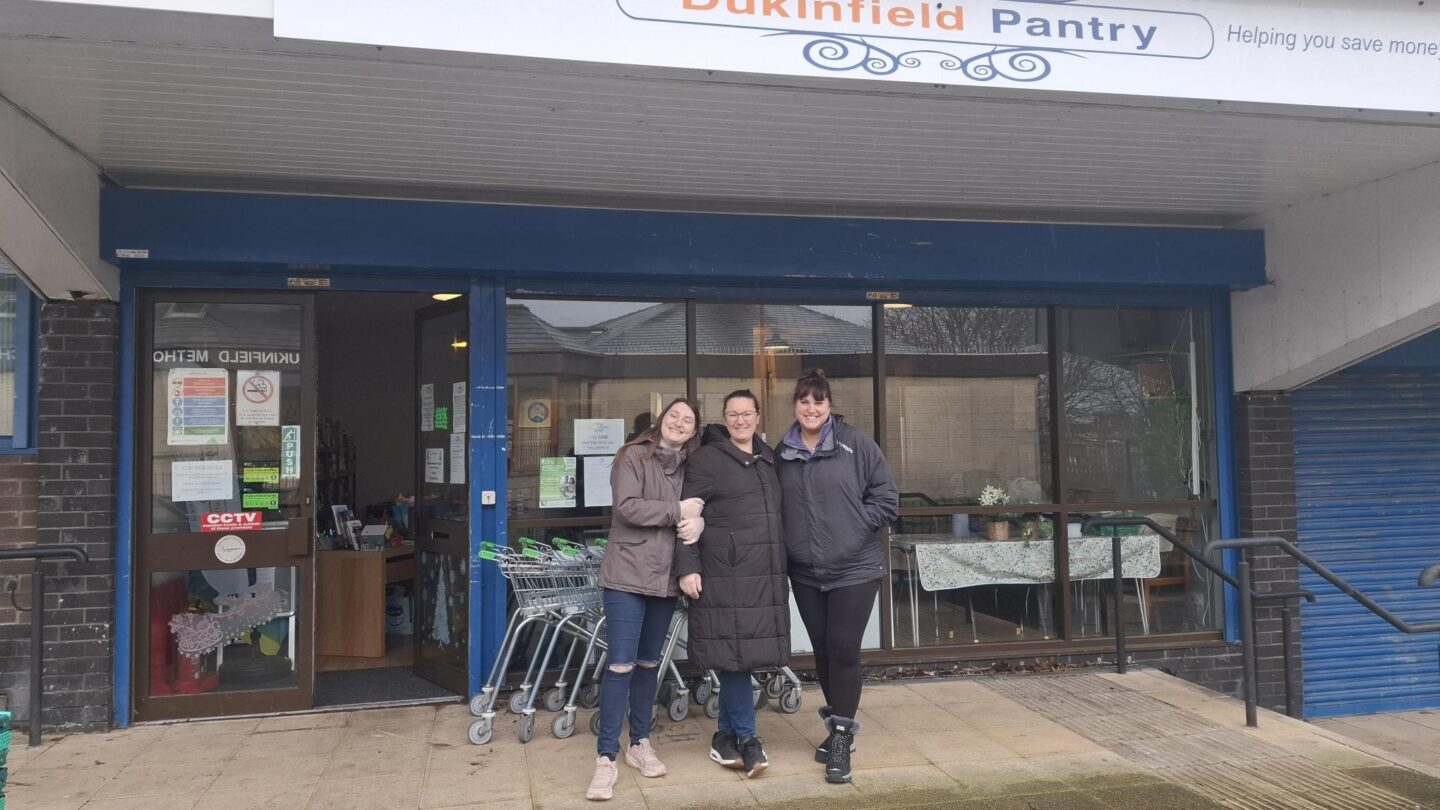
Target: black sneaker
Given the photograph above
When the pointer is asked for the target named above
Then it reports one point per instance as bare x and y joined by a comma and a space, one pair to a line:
752, 751
724, 750
837, 762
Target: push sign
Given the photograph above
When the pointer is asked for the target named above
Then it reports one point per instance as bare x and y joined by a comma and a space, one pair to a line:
290, 452
230, 521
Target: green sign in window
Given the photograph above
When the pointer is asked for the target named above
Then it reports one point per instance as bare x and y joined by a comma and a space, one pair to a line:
260, 500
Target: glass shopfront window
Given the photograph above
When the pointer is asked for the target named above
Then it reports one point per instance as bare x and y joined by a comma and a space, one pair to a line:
620, 362
967, 404
767, 347
1131, 423
1059, 412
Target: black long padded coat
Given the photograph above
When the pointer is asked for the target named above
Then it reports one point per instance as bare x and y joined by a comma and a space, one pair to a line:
741, 622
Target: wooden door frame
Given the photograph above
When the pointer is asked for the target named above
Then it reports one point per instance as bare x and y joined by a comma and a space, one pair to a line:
180, 557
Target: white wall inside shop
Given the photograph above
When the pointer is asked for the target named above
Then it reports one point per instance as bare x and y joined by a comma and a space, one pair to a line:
367, 384
1351, 274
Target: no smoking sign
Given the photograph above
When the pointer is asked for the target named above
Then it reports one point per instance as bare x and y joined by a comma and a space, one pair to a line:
257, 389
258, 403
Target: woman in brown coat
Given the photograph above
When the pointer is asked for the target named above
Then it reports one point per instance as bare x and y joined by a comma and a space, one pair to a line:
638, 587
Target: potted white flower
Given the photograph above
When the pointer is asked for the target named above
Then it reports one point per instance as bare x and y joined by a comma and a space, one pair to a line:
997, 527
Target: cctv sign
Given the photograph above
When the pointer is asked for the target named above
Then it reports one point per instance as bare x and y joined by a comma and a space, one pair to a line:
230, 521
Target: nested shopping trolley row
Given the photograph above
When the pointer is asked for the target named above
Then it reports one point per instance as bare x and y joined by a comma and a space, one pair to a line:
558, 604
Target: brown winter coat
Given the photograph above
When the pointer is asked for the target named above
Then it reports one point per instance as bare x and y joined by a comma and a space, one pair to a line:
646, 493
741, 622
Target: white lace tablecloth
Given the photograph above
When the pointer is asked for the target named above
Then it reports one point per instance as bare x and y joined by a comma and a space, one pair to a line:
945, 562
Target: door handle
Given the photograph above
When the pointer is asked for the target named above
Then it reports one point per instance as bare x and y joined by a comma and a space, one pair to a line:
299, 538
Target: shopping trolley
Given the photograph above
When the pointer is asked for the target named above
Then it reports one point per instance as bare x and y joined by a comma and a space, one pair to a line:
671, 690
782, 686
557, 596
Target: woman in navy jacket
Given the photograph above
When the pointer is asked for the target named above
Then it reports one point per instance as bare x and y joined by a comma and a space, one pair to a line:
837, 495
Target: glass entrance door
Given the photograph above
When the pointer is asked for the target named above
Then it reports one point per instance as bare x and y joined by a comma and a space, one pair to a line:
224, 505
442, 505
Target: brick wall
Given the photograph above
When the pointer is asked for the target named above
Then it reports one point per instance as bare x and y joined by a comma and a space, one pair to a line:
75, 471
1265, 432
18, 503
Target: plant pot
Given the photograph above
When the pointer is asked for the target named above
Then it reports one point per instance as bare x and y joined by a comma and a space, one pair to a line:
997, 530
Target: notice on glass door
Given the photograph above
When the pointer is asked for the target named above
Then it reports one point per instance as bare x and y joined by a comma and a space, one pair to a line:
427, 408
434, 465
257, 403
457, 407
199, 404
457, 458
202, 481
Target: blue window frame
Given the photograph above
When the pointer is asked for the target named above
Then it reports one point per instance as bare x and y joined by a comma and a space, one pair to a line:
18, 333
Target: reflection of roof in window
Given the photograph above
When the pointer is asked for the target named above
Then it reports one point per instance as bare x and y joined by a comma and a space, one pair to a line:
529, 333
721, 329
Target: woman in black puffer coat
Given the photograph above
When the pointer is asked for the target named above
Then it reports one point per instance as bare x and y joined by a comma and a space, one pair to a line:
735, 574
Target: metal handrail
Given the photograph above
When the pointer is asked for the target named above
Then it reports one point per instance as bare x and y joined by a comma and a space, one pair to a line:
1247, 599
37, 618
1247, 618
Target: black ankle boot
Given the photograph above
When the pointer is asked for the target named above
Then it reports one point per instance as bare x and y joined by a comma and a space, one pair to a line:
839, 745
823, 749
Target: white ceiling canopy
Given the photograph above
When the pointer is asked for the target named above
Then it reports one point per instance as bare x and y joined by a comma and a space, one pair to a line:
169, 99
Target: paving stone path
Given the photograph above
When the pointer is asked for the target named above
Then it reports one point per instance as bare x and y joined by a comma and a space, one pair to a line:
1078, 741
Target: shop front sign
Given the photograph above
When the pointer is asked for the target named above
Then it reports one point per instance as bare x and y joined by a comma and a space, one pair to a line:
1377, 55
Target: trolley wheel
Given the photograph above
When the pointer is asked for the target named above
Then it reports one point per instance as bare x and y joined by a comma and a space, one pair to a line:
527, 728
595, 724
712, 706
564, 725
477, 704
480, 732
702, 692
518, 699
774, 686
679, 708
554, 699
790, 699
666, 693
761, 699
590, 696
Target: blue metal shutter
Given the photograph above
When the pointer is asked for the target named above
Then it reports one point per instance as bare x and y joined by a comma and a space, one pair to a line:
1367, 484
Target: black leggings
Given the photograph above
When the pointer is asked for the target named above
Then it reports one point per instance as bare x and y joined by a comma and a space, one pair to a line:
836, 620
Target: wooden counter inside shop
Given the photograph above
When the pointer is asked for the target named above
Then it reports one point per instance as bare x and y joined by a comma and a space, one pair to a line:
350, 603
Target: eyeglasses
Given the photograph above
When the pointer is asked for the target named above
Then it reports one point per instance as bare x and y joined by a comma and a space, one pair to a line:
741, 416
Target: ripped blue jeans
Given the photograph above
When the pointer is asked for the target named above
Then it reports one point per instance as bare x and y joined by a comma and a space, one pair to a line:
635, 628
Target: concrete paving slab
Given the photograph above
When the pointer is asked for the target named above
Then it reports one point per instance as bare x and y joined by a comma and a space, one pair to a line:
373, 793
1035, 742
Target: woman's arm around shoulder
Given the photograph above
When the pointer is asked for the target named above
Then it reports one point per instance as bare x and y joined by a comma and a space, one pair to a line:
627, 486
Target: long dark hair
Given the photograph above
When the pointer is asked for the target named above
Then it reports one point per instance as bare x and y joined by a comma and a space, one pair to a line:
652, 433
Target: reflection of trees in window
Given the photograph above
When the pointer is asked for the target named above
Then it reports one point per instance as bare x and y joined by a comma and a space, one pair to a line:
1128, 413
954, 330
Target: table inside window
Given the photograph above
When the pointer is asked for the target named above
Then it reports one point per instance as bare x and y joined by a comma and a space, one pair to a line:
944, 562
